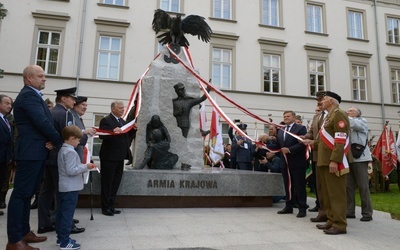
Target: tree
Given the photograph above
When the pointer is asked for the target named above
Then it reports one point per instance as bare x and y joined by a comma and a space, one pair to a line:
2, 11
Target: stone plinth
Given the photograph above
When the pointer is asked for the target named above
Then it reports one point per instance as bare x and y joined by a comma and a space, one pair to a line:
193, 188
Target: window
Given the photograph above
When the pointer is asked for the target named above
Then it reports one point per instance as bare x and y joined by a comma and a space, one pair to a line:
47, 52
359, 78
96, 143
224, 133
355, 24
222, 9
317, 76
109, 58
222, 68
272, 73
314, 18
270, 12
170, 5
115, 2
395, 79
393, 30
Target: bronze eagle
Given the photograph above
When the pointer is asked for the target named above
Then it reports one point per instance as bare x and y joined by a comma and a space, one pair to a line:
177, 27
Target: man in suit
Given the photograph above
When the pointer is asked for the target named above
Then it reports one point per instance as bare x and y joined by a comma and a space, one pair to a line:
61, 117
77, 112
293, 164
6, 139
36, 136
113, 151
333, 159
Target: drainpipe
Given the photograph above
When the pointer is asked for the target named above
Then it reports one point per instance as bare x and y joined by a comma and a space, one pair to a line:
378, 49
78, 70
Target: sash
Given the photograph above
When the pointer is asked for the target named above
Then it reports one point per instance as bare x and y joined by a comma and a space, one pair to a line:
340, 138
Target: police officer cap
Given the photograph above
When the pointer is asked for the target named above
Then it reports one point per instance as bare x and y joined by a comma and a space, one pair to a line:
66, 92
179, 85
242, 126
334, 95
80, 99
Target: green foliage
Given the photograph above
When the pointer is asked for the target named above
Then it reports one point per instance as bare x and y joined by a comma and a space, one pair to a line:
2, 11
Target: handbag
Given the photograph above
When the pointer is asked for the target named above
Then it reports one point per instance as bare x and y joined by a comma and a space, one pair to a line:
358, 149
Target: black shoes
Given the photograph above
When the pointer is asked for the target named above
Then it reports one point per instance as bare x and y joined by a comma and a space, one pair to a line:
349, 216
301, 214
3, 204
75, 221
34, 205
1, 213
365, 218
286, 210
108, 212
42, 230
77, 230
314, 209
115, 211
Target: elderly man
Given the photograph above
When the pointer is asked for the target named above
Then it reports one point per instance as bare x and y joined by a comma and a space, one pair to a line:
114, 149
358, 176
332, 147
36, 136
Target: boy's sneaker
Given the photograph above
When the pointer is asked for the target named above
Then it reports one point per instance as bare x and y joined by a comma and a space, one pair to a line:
58, 242
70, 246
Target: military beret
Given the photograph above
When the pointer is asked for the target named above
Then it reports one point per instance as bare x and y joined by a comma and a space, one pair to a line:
242, 126
333, 95
80, 99
179, 85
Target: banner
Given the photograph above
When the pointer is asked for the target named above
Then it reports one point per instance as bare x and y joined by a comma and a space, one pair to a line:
385, 151
217, 147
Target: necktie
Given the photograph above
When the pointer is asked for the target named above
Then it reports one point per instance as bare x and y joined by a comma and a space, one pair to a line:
321, 119
7, 123
286, 129
80, 118
120, 122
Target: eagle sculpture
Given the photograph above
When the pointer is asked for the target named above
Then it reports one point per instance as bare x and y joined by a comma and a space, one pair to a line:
177, 27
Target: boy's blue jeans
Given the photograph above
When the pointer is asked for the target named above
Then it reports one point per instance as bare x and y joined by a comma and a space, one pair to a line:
65, 214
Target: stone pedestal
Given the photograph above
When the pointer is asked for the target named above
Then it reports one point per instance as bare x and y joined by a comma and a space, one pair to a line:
157, 95
193, 188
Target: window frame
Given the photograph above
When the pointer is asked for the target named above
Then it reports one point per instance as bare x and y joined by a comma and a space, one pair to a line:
124, 2
221, 67
388, 36
95, 139
316, 74
362, 59
322, 18
180, 5
271, 84
363, 23
231, 10
109, 52
318, 53
269, 14
395, 85
48, 47
359, 79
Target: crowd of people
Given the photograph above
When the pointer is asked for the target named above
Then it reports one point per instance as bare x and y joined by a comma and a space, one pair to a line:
336, 174
45, 144
42, 149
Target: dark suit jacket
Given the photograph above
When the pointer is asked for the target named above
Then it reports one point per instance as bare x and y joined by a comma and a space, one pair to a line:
113, 147
35, 126
297, 156
84, 139
5, 141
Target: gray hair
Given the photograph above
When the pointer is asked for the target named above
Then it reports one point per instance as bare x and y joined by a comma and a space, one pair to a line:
115, 103
357, 110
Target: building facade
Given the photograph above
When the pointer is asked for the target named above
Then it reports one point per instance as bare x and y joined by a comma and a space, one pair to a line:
267, 55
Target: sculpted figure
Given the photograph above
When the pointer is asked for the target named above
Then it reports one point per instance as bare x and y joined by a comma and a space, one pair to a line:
183, 105
158, 144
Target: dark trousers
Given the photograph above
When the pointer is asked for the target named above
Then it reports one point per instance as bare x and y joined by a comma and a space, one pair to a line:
47, 195
3, 178
295, 187
313, 182
111, 175
245, 165
27, 177
67, 204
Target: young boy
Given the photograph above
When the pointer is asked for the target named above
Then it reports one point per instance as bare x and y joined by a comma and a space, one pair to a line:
70, 171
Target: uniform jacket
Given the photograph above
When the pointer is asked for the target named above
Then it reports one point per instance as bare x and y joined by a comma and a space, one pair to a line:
297, 156
6, 141
84, 139
335, 121
35, 127
70, 169
113, 147
243, 153
359, 134
313, 132
61, 118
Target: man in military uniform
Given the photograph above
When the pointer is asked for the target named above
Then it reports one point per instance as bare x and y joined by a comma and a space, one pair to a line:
333, 154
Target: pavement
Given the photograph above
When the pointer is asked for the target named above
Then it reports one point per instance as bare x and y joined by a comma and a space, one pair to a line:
218, 228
